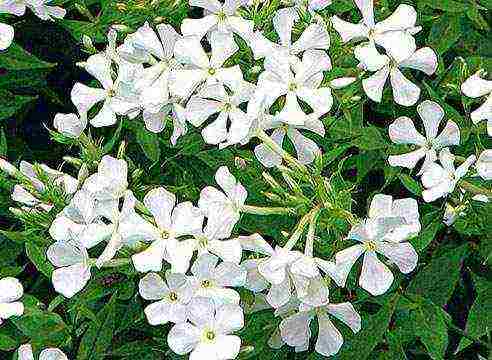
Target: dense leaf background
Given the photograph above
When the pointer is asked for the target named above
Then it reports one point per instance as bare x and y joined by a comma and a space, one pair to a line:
437, 312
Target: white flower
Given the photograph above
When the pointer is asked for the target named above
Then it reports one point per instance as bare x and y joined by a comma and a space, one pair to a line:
475, 86
10, 291
39, 7
118, 97
70, 125
402, 131
81, 219
200, 68
232, 124
314, 5
306, 149
6, 36
208, 334
394, 33
218, 17
223, 208
405, 92
295, 329
73, 267
172, 221
484, 164
441, 180
173, 297
213, 281
389, 224
299, 81
25, 353
315, 36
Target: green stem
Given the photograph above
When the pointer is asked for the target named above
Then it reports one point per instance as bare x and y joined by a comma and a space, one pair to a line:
309, 248
258, 210
299, 229
111, 263
474, 189
292, 161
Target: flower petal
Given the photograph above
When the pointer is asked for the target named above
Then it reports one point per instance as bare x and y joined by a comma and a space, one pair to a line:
374, 85
329, 338
346, 313
69, 280
424, 59
183, 338
405, 92
375, 277
402, 254
10, 289
431, 114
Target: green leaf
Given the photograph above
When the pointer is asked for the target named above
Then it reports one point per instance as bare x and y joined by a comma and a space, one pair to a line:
446, 5
427, 234
445, 33
16, 58
360, 345
413, 186
37, 255
10, 103
437, 280
7, 343
149, 142
479, 321
97, 339
43, 328
370, 139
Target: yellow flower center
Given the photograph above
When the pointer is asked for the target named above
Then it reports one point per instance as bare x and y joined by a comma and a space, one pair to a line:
370, 246
173, 296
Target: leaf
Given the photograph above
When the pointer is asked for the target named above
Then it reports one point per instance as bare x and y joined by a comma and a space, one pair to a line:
361, 344
331, 155
38, 257
16, 58
437, 280
10, 103
446, 5
99, 335
7, 343
149, 142
413, 186
444, 33
370, 139
427, 235
479, 321
43, 328
431, 328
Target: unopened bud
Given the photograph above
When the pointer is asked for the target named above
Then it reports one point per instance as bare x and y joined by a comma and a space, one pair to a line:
7, 167
74, 161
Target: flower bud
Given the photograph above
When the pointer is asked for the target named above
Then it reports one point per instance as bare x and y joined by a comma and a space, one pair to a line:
70, 125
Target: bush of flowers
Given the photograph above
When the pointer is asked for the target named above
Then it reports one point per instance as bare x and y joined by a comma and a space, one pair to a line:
245, 179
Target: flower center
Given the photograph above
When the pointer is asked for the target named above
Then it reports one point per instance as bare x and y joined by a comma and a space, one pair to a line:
209, 335
202, 241
165, 234
370, 246
111, 92
206, 283
211, 71
221, 16
292, 86
173, 296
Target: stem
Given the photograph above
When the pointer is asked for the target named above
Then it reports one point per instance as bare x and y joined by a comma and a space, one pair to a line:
309, 249
299, 229
259, 210
477, 190
115, 263
279, 151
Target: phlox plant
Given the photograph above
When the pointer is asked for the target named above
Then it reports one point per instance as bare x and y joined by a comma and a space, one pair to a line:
246, 180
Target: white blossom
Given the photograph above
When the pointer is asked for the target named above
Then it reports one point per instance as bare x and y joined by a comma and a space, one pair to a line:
484, 164
25, 353
6, 36
218, 17
199, 68
475, 86
405, 92
295, 329
172, 221
40, 8
394, 34
232, 124
315, 36
389, 224
70, 125
11, 290
212, 280
223, 207
73, 266
439, 180
172, 295
403, 131
207, 335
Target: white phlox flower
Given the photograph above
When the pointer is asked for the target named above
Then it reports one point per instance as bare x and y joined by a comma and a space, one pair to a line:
40, 8
313, 5
118, 96
222, 208
232, 124
476, 86
299, 81
314, 37
207, 335
171, 297
25, 353
199, 68
403, 131
439, 180
306, 148
22, 195
73, 266
389, 224
218, 17
295, 329
405, 92
394, 34
172, 221
70, 125
484, 164
80, 218
6, 36
212, 280
11, 291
